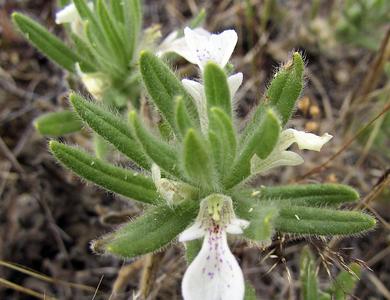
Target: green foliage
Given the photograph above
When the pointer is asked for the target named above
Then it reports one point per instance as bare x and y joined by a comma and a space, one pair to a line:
222, 137
322, 221
261, 218
150, 232
286, 87
308, 276
163, 86
58, 123
163, 154
197, 162
111, 127
318, 195
217, 89
215, 160
363, 23
192, 248
339, 288
48, 43
261, 140
250, 292
119, 180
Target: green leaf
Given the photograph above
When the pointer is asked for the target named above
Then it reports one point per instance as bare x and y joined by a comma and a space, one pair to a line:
286, 87
198, 19
118, 180
345, 282
261, 141
250, 292
307, 194
321, 221
133, 17
112, 128
183, 120
96, 37
196, 160
84, 50
163, 86
261, 217
85, 12
192, 249
149, 232
222, 138
112, 34
217, 88
47, 43
308, 276
163, 154
117, 10
58, 123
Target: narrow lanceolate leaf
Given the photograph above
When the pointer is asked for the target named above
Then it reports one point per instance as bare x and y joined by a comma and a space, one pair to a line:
321, 221
163, 86
58, 123
112, 33
217, 88
222, 138
307, 194
198, 20
117, 9
308, 276
261, 141
115, 179
183, 119
111, 127
163, 154
345, 282
286, 87
196, 160
47, 43
149, 232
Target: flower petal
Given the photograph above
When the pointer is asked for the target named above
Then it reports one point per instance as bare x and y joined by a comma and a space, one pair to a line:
215, 273
234, 82
223, 45
278, 159
67, 15
237, 226
196, 90
304, 140
209, 47
194, 232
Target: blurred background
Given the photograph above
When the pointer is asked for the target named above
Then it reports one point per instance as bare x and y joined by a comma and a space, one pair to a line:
48, 216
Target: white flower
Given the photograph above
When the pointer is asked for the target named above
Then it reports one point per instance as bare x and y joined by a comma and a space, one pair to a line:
69, 14
168, 43
95, 83
171, 191
215, 273
282, 157
196, 90
199, 46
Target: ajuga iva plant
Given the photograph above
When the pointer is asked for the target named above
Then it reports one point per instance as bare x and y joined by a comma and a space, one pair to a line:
193, 180
104, 42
